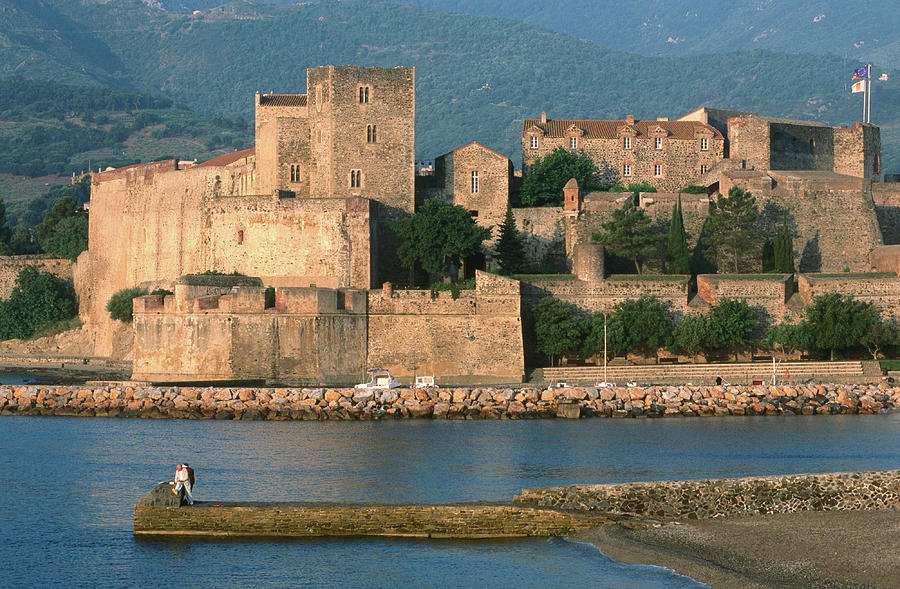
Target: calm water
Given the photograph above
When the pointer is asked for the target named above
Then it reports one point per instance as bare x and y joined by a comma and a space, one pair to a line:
69, 484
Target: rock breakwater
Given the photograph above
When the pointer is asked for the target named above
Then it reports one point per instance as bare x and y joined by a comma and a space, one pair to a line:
451, 403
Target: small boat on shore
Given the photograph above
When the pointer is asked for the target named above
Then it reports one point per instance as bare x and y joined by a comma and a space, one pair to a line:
379, 378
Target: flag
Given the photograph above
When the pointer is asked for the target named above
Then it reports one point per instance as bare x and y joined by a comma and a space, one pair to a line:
861, 73
858, 87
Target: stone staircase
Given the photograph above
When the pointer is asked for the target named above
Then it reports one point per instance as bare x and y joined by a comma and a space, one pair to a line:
737, 373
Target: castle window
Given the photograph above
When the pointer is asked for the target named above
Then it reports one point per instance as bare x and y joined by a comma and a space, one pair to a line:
319, 98
475, 182
240, 236
295, 172
534, 142
704, 168
355, 178
364, 95
657, 170
626, 142
626, 169
657, 142
573, 142
704, 144
371, 134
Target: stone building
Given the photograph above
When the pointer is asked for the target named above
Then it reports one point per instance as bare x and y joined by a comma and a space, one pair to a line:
668, 154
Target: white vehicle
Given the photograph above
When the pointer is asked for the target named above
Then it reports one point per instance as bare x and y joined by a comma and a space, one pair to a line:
606, 385
559, 385
425, 382
632, 383
379, 378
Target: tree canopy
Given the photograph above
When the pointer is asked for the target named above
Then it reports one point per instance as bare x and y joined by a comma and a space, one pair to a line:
120, 305
557, 328
639, 325
545, 178
678, 260
628, 234
64, 231
784, 249
730, 227
437, 235
731, 324
509, 249
838, 322
37, 299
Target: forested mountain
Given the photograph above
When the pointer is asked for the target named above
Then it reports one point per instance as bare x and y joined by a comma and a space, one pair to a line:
864, 29
477, 77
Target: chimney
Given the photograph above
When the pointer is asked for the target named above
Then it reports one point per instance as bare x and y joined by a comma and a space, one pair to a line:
543, 118
662, 118
629, 120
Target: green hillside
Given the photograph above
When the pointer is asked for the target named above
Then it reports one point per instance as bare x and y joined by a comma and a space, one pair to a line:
477, 77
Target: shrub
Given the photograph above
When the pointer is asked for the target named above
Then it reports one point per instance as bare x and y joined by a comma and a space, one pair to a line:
37, 299
120, 304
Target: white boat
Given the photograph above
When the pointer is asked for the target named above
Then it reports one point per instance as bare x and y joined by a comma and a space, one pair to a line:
379, 378
425, 382
606, 385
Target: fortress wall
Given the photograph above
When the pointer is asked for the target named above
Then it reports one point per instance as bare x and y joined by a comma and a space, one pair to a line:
857, 151
603, 296
749, 141
544, 231
801, 147
766, 294
292, 241
476, 338
10, 266
887, 208
883, 291
494, 173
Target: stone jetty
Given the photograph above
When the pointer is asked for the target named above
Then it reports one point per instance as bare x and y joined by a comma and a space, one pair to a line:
525, 402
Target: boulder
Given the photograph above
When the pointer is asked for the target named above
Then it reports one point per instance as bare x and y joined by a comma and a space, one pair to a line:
162, 496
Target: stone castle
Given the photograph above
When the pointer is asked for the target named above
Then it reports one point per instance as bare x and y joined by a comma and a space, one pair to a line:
306, 215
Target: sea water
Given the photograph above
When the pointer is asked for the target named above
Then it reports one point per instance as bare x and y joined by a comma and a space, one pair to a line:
68, 487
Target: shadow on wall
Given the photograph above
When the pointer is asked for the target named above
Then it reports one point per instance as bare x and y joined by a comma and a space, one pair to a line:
811, 259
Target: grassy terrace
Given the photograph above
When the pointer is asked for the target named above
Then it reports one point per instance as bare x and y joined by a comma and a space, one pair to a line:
748, 276
855, 275
543, 276
648, 277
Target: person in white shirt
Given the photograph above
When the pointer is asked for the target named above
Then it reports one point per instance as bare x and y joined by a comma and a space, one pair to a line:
182, 480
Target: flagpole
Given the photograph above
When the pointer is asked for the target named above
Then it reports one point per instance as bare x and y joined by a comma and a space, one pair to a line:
869, 93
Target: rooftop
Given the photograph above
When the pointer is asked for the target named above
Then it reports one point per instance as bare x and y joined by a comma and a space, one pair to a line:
609, 129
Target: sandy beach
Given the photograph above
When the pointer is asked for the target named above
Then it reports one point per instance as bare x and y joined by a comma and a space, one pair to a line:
805, 549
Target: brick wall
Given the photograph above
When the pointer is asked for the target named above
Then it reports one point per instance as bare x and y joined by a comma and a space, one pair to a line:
10, 266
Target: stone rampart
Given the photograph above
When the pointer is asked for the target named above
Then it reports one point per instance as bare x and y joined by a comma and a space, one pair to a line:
10, 266
700, 499
767, 293
881, 290
604, 295
886, 196
133, 400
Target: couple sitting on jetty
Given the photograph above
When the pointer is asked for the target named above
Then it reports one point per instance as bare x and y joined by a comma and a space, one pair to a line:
184, 478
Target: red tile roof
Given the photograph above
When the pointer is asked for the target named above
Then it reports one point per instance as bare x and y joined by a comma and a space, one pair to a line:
597, 129
228, 158
282, 100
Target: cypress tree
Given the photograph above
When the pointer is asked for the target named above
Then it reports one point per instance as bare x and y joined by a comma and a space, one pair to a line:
509, 250
677, 251
784, 249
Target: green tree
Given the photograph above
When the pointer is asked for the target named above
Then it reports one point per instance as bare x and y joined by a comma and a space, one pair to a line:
691, 335
628, 234
788, 337
677, 258
639, 325
557, 328
23, 242
881, 335
38, 298
730, 225
509, 249
545, 178
437, 235
5, 233
64, 231
784, 249
838, 322
731, 325
120, 305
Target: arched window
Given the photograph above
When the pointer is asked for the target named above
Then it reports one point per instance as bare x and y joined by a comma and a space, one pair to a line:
355, 178
364, 95
371, 134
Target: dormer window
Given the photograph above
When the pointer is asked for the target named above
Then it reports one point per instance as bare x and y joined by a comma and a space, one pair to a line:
704, 144
534, 142
573, 142
626, 142
657, 143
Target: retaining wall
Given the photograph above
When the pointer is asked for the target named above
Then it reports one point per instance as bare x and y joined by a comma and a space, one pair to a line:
699, 499
455, 403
